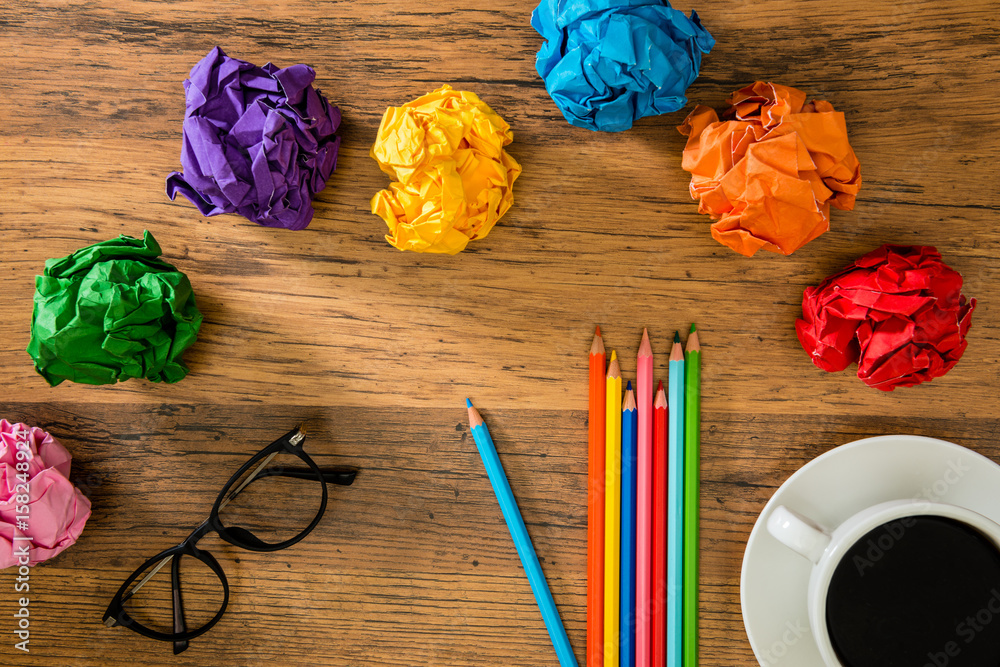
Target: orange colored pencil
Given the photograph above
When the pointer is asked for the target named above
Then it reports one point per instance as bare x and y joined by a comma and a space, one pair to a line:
658, 612
595, 505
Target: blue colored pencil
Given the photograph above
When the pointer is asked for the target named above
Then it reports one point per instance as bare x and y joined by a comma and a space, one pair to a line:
630, 446
522, 541
675, 508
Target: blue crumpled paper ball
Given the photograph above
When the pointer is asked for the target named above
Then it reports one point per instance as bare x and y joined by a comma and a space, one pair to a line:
607, 63
258, 141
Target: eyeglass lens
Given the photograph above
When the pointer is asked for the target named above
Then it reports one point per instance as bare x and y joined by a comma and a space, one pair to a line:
150, 601
276, 500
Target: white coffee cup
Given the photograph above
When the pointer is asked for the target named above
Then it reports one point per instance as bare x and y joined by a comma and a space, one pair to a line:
826, 548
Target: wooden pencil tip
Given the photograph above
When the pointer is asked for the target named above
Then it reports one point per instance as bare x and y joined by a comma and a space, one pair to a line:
677, 350
660, 387
468, 401
693, 328
677, 337
661, 398
693, 344
597, 347
614, 369
629, 402
645, 349
629, 387
474, 417
598, 330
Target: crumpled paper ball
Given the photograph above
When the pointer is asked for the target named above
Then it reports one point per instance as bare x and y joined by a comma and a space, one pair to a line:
56, 510
898, 312
453, 178
608, 63
769, 175
258, 141
110, 312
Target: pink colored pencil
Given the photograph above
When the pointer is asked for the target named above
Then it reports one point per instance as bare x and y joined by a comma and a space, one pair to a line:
644, 504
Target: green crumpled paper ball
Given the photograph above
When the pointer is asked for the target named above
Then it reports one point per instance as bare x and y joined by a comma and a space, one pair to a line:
110, 312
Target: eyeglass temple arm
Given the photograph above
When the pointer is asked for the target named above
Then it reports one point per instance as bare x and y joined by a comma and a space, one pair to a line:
341, 475
179, 624
132, 591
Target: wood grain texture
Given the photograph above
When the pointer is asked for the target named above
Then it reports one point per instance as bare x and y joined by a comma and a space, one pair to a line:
376, 349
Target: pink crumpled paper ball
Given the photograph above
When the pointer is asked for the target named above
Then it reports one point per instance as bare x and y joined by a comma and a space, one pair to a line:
57, 510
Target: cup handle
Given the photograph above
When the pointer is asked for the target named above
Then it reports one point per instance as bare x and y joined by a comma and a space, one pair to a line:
798, 533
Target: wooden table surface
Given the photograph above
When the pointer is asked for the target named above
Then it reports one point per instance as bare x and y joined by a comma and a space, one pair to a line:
376, 350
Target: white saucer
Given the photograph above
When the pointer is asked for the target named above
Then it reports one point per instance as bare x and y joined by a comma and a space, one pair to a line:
828, 490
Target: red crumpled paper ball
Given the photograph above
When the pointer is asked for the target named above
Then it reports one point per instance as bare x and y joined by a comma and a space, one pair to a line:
898, 312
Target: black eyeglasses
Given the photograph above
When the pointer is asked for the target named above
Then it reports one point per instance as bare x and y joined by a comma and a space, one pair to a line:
271, 503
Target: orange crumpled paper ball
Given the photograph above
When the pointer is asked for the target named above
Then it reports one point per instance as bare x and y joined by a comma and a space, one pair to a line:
453, 178
769, 173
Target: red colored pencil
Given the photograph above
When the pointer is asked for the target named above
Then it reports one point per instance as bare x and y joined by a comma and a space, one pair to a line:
658, 617
595, 505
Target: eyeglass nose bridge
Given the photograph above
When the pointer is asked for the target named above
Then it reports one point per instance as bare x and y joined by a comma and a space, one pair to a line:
207, 526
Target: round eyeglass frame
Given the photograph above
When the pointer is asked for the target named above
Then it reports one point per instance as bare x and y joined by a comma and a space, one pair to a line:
291, 442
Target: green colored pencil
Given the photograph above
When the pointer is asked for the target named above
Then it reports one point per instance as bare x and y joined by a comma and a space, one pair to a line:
692, 445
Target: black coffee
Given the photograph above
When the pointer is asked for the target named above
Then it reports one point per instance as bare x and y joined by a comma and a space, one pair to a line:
923, 591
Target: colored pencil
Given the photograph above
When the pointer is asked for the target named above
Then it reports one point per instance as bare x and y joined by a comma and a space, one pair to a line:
595, 506
657, 617
612, 510
626, 641
644, 501
675, 508
692, 485
522, 541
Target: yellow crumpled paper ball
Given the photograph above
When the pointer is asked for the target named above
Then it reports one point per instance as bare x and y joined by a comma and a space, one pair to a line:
453, 179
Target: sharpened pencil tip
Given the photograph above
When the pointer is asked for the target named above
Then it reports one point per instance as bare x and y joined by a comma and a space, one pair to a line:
660, 388
598, 329
693, 328
693, 345
661, 398
645, 349
597, 347
468, 402
677, 337
614, 355
629, 387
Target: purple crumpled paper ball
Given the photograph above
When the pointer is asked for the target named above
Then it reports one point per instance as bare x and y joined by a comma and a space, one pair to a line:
258, 141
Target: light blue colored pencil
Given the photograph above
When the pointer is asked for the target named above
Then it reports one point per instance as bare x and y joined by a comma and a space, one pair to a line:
522, 541
675, 508
630, 446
